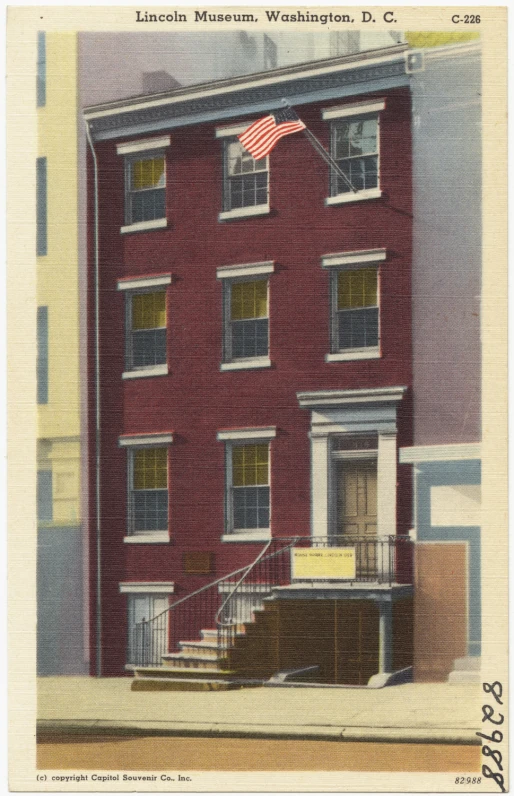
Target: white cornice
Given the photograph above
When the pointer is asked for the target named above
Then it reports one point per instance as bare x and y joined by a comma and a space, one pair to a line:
286, 74
440, 453
334, 398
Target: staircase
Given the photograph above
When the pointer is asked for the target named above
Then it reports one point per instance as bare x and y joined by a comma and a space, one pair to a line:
197, 667
240, 647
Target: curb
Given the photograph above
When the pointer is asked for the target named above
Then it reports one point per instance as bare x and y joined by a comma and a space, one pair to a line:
460, 737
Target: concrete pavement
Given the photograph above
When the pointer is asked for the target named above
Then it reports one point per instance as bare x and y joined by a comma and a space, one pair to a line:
413, 712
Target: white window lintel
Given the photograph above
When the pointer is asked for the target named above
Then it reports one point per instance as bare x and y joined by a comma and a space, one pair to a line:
231, 130
143, 145
145, 440
143, 282
355, 109
243, 434
153, 587
245, 269
353, 258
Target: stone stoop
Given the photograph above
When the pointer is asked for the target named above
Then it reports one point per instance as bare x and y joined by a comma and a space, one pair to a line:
465, 670
195, 668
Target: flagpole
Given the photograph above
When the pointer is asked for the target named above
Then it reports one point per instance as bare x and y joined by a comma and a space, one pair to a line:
320, 149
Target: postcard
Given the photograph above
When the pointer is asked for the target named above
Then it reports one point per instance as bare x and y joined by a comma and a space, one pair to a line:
257, 395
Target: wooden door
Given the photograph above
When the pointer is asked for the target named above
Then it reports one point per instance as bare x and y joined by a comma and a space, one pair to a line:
357, 511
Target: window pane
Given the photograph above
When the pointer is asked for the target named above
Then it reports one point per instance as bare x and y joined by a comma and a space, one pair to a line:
251, 507
41, 69
148, 348
44, 496
250, 338
41, 207
151, 468
148, 173
250, 465
358, 328
249, 300
148, 205
356, 288
149, 310
150, 510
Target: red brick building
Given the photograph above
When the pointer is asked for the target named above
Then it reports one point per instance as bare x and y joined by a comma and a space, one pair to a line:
250, 346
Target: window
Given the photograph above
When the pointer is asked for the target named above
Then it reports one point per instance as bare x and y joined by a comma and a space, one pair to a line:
146, 189
147, 643
149, 491
356, 309
246, 334
247, 516
42, 355
246, 179
41, 207
249, 490
145, 183
355, 149
354, 296
41, 69
44, 496
146, 344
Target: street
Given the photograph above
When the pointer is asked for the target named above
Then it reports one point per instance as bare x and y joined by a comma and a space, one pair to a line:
157, 753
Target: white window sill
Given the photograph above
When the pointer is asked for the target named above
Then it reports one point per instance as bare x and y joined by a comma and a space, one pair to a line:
159, 537
357, 353
360, 196
145, 226
247, 364
155, 370
244, 212
247, 536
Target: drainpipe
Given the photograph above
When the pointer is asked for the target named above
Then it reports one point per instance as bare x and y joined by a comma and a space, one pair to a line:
97, 418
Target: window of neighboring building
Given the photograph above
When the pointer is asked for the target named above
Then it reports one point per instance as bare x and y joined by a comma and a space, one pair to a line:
148, 487
249, 488
355, 319
44, 496
42, 355
270, 53
246, 179
146, 344
145, 188
41, 69
41, 207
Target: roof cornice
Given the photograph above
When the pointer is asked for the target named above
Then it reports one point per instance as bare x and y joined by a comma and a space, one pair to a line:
375, 70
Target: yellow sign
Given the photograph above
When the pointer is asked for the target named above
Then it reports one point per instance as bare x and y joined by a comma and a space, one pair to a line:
332, 563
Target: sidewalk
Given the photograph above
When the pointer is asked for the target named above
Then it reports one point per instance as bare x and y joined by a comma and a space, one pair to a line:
410, 713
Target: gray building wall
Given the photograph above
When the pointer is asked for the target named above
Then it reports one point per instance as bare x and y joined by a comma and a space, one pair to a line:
447, 246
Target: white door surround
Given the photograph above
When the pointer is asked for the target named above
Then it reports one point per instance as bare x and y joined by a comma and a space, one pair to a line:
341, 412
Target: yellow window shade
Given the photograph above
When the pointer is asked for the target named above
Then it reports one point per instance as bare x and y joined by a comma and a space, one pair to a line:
249, 300
148, 174
357, 289
250, 465
149, 310
151, 468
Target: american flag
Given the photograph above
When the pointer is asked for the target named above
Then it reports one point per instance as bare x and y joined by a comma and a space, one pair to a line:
260, 138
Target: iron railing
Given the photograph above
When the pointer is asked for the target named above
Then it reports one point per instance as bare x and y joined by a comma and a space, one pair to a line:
227, 603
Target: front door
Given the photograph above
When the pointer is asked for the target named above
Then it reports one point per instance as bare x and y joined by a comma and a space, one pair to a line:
357, 511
